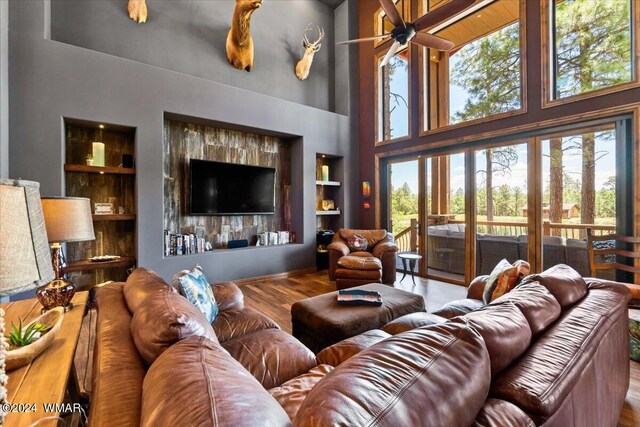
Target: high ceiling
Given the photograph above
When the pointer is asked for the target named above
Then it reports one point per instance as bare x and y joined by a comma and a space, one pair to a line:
332, 3
482, 22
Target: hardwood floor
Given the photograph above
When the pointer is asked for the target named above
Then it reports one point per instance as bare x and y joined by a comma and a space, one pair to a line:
275, 297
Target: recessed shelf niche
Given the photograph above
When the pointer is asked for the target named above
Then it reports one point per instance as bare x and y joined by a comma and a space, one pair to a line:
329, 178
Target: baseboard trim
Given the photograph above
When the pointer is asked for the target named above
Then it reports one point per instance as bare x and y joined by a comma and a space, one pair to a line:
286, 274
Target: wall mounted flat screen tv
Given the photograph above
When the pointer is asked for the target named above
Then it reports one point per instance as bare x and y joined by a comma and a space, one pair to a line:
217, 188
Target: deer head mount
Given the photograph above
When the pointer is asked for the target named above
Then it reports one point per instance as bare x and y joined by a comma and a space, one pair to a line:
239, 41
137, 10
310, 48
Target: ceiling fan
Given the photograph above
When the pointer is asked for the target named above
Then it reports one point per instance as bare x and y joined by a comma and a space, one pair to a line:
405, 32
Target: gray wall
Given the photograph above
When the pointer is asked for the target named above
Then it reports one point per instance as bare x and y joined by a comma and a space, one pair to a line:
4, 89
189, 37
50, 80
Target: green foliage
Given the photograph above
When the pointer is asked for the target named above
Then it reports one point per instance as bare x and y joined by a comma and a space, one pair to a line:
20, 337
489, 70
456, 200
606, 199
403, 201
593, 45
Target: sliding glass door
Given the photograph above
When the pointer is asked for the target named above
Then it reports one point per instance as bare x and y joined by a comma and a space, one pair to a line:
501, 205
445, 234
403, 206
532, 198
579, 192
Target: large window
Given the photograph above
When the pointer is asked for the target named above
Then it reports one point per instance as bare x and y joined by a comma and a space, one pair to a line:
592, 42
393, 97
482, 75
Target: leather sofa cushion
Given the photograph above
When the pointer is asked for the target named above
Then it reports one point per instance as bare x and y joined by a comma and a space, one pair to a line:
141, 284
345, 273
271, 355
360, 263
411, 321
231, 324
406, 380
345, 349
458, 308
543, 377
372, 236
564, 283
119, 368
291, 394
165, 319
500, 413
536, 303
360, 254
228, 296
218, 391
505, 331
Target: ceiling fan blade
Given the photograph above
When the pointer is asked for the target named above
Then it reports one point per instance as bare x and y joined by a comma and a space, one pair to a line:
435, 42
392, 13
395, 47
365, 39
441, 14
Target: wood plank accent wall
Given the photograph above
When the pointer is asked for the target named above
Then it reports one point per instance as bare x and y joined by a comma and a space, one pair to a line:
184, 141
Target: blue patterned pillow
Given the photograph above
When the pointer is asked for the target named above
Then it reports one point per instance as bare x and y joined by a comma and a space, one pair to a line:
196, 288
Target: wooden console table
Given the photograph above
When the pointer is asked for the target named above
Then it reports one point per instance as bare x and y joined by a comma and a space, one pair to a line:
45, 380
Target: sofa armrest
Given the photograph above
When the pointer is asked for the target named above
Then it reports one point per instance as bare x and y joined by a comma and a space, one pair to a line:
228, 296
476, 288
340, 247
381, 248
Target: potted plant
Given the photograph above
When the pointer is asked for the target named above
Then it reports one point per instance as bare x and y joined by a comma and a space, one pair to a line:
89, 159
26, 343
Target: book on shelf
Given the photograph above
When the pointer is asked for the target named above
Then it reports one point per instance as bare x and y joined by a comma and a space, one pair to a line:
183, 244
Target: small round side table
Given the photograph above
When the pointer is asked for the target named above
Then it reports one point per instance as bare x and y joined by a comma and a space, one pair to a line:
413, 259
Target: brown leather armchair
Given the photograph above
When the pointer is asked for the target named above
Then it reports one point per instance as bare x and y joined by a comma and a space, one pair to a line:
381, 245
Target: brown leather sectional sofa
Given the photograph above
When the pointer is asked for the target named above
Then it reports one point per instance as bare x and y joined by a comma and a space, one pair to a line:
552, 352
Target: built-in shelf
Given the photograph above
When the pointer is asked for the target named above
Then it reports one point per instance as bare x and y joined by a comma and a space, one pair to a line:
99, 169
114, 217
323, 213
329, 183
87, 264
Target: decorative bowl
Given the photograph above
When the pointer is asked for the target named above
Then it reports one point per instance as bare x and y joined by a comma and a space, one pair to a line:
22, 356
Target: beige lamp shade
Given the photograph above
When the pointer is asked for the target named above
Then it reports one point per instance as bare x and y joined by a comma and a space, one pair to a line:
25, 260
68, 219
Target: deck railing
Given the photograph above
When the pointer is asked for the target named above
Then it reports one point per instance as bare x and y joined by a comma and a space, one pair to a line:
407, 239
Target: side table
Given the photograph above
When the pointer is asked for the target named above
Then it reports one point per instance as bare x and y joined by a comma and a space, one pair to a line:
45, 380
413, 259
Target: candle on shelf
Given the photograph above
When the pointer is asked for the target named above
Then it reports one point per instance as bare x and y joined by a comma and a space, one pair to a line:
325, 173
98, 154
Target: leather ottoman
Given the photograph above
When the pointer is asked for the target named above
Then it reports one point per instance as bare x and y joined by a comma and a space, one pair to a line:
320, 321
354, 270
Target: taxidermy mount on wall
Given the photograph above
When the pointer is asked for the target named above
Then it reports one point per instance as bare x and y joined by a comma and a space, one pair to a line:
310, 48
137, 10
239, 41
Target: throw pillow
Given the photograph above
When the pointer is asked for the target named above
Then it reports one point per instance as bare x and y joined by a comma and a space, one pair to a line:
509, 278
196, 288
503, 278
357, 242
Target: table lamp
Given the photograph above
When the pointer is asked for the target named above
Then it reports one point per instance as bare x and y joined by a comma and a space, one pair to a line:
68, 219
25, 261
